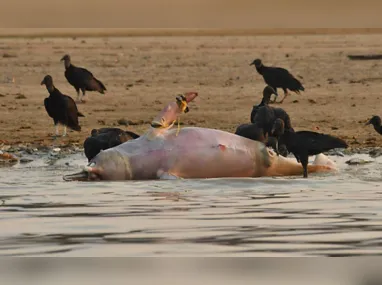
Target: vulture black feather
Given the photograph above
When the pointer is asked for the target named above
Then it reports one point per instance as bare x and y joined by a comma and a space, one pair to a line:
81, 78
267, 93
105, 138
278, 77
60, 107
250, 131
305, 143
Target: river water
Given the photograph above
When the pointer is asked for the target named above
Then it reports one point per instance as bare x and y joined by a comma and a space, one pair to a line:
324, 215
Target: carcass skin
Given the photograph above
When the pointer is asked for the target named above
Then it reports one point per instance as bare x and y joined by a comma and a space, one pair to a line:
164, 153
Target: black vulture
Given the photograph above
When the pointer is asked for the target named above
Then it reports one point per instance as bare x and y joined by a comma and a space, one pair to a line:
105, 138
250, 131
266, 116
267, 93
305, 143
279, 148
278, 77
377, 124
275, 135
60, 107
81, 78
253, 132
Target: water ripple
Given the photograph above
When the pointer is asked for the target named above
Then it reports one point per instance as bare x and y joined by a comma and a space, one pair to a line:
325, 215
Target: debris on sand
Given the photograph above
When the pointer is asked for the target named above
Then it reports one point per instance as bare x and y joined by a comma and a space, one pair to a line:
7, 158
375, 152
365, 57
123, 122
20, 96
335, 152
331, 81
25, 160
358, 161
8, 55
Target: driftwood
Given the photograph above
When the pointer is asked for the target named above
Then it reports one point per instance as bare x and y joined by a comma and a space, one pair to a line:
365, 57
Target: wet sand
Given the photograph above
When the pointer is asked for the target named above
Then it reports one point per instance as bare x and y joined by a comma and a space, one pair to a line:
142, 74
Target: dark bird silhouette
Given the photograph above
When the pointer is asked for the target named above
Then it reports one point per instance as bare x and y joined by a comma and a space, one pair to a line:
250, 131
267, 93
377, 124
266, 116
105, 138
305, 143
274, 143
60, 107
275, 135
278, 77
81, 78
253, 132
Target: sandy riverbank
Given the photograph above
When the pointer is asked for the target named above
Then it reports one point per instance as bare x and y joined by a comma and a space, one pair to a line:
142, 74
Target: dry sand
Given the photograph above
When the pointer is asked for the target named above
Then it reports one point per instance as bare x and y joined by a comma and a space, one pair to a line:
142, 74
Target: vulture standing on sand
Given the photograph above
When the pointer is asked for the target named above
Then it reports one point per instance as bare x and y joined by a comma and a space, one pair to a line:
305, 143
60, 107
278, 77
105, 138
81, 78
377, 124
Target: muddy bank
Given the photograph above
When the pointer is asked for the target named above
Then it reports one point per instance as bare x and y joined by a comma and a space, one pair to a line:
13, 154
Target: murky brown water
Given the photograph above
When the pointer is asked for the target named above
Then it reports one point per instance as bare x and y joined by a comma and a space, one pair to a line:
326, 215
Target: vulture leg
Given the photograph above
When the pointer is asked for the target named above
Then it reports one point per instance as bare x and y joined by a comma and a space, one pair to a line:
64, 134
304, 162
79, 99
277, 147
285, 95
83, 94
56, 129
297, 157
274, 100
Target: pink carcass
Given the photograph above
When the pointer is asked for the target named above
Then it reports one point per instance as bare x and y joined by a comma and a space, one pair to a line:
164, 152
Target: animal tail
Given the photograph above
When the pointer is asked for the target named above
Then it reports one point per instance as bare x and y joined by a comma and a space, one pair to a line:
102, 88
79, 114
329, 142
295, 85
75, 127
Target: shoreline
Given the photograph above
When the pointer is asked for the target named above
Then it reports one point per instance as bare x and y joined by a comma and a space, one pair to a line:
144, 32
24, 154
